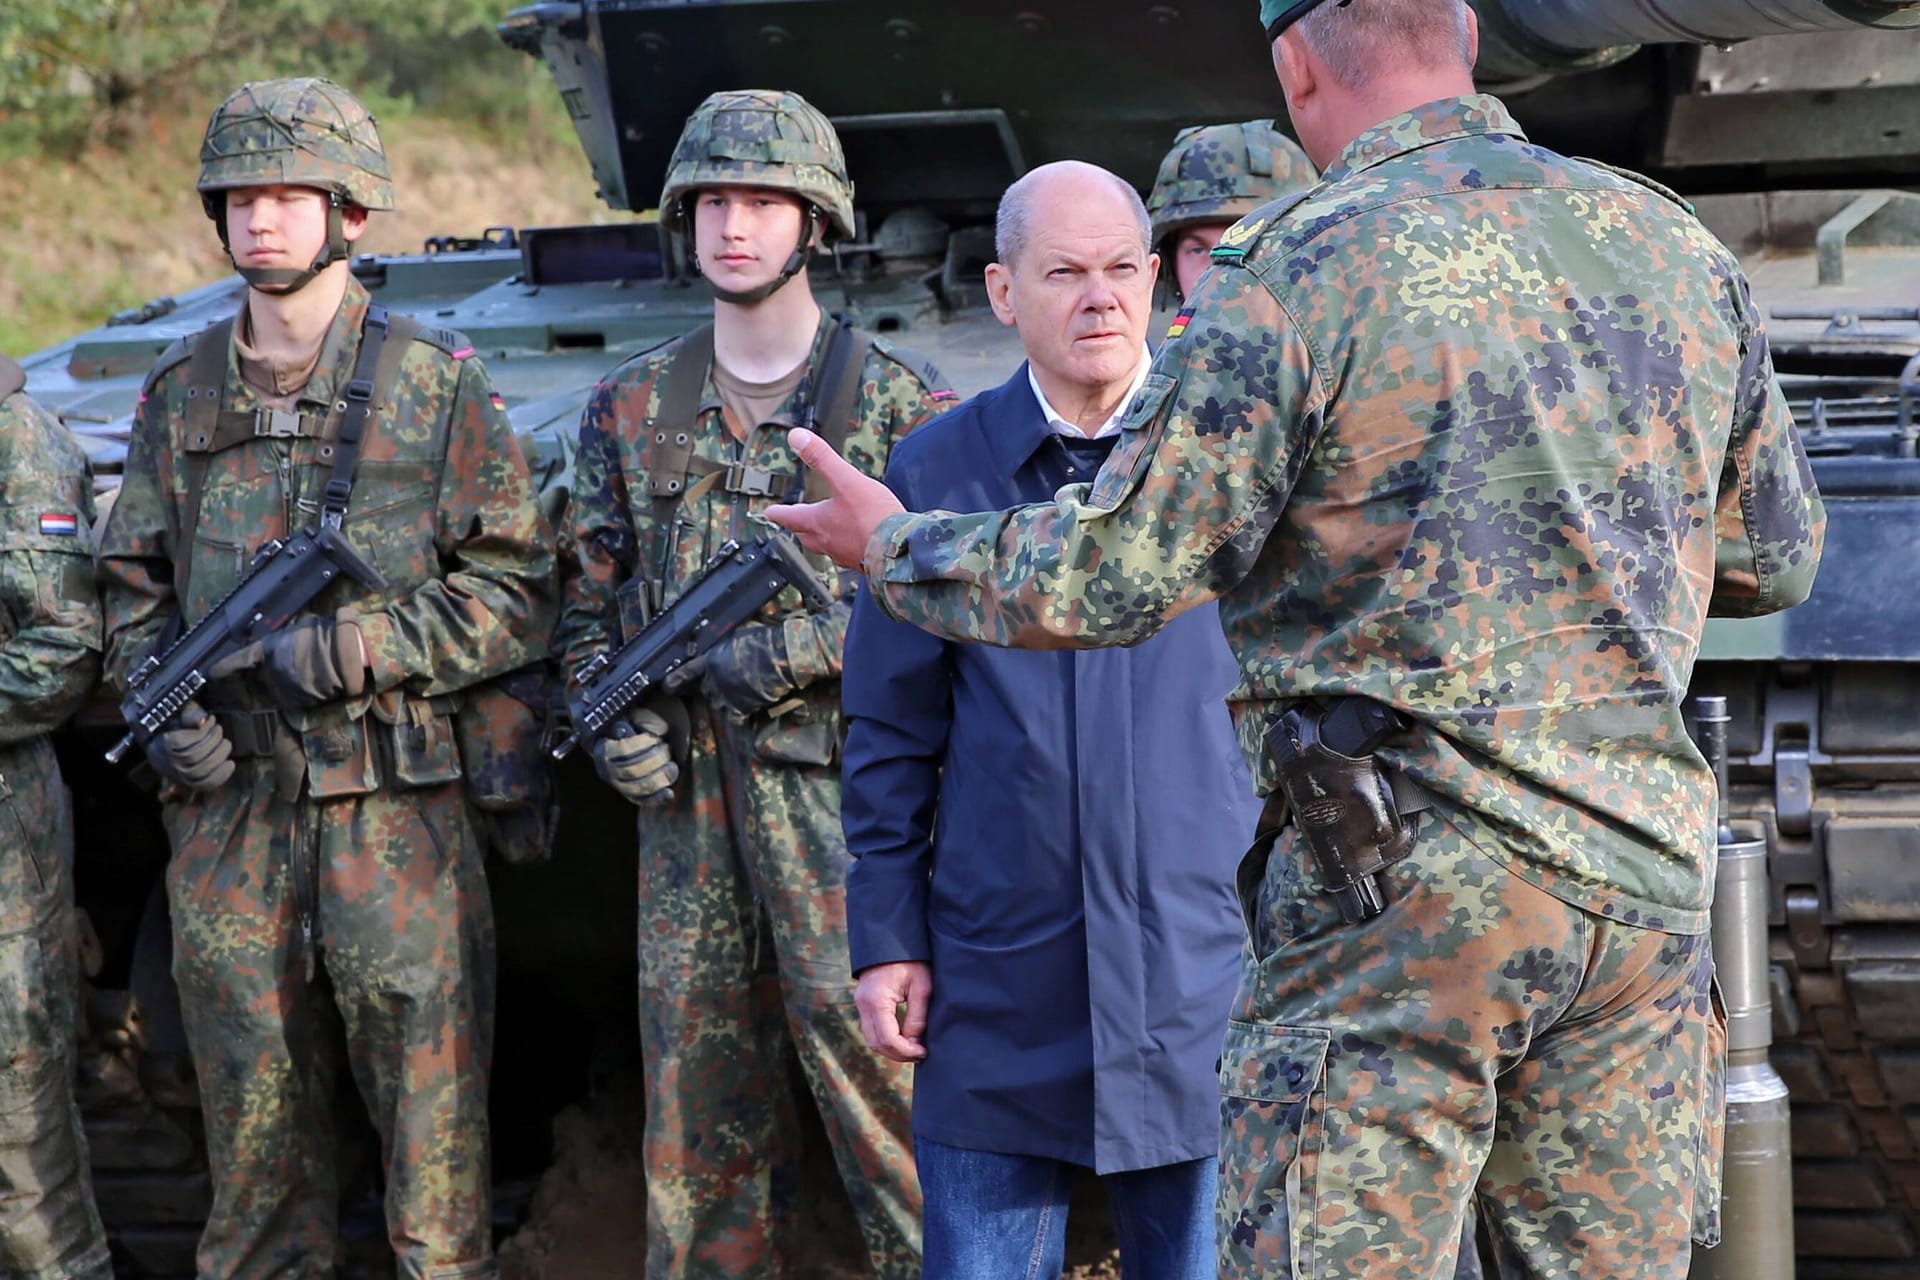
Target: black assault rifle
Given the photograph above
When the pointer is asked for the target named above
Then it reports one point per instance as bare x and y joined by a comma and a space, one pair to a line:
735, 585
283, 579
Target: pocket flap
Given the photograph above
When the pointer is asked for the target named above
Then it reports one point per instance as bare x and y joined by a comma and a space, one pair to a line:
1140, 433
1272, 1063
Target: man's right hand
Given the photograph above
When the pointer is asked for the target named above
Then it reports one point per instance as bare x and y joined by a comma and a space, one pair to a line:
194, 753
892, 1031
639, 765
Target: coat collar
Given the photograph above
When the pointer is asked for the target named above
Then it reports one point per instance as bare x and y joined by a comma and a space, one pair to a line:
1015, 427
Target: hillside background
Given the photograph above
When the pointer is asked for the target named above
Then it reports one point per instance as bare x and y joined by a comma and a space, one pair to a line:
102, 104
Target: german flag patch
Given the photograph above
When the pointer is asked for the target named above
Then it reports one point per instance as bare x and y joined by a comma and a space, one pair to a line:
1179, 325
944, 395
498, 403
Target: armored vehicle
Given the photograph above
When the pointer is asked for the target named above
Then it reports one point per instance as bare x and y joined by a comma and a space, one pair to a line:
1793, 125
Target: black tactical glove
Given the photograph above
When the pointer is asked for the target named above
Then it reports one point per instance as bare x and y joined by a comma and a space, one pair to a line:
639, 765
746, 672
314, 660
194, 753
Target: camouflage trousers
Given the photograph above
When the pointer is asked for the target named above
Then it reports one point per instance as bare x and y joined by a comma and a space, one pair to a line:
1480, 1043
742, 877
398, 973
49, 1229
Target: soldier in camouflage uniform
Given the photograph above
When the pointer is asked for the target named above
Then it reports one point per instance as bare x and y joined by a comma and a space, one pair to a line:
1214, 176
1483, 434
326, 887
49, 657
743, 946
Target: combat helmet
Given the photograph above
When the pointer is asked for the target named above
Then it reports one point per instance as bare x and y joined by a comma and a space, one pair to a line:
762, 138
301, 132
1221, 173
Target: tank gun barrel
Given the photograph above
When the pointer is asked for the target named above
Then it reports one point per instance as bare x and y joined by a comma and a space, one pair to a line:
1527, 38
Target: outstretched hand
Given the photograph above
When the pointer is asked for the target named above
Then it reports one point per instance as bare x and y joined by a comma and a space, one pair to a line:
841, 526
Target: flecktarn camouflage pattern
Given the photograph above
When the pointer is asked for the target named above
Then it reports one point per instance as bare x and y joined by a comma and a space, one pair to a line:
50, 646
1494, 469
302, 132
761, 138
743, 943
1222, 173
1336, 1023
332, 893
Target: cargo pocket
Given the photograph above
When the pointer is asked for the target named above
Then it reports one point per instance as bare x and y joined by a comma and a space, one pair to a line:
1272, 1123
807, 732
339, 756
425, 751
30, 1045
1709, 1151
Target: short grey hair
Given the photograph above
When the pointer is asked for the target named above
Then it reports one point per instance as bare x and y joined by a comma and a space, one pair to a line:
1356, 40
1011, 223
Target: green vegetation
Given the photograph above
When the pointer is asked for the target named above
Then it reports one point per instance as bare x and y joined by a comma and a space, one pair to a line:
102, 103
75, 71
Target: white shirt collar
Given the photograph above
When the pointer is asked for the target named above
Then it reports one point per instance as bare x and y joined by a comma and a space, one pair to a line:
1060, 426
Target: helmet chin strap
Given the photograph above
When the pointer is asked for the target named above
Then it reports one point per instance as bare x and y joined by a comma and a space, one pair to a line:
284, 280
796, 262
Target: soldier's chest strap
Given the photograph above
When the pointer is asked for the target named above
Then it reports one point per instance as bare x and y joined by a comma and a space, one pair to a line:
668, 454
211, 427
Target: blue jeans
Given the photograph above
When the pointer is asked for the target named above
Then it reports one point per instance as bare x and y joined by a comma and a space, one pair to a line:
990, 1216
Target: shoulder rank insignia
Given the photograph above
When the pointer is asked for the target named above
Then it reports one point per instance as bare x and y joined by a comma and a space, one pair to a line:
1235, 239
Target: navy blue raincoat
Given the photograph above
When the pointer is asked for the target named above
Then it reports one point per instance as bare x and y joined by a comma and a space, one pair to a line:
1055, 834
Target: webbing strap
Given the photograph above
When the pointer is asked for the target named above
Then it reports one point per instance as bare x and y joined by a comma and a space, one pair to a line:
839, 387
210, 429
206, 378
353, 421
668, 454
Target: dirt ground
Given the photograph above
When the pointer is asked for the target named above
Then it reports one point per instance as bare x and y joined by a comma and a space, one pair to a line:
587, 1219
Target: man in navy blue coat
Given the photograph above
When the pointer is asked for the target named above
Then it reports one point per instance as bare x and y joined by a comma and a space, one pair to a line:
1041, 909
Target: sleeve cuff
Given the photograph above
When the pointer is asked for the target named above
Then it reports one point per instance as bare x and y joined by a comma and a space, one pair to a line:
888, 544
807, 660
887, 922
377, 632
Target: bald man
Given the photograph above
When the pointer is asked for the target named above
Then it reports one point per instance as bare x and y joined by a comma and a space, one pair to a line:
1058, 951
1468, 444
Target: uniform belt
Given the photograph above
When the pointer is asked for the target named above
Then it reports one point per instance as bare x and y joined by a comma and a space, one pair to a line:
251, 733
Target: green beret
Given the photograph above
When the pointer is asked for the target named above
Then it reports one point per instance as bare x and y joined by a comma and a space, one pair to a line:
1277, 15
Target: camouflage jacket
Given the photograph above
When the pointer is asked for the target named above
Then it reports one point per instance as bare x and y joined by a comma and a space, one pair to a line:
616, 535
1471, 429
49, 613
442, 505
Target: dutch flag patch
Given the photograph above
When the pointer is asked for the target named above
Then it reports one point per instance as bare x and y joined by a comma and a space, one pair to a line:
54, 524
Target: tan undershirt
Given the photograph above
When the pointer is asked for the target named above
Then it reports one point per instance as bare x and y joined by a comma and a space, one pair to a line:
748, 404
278, 381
